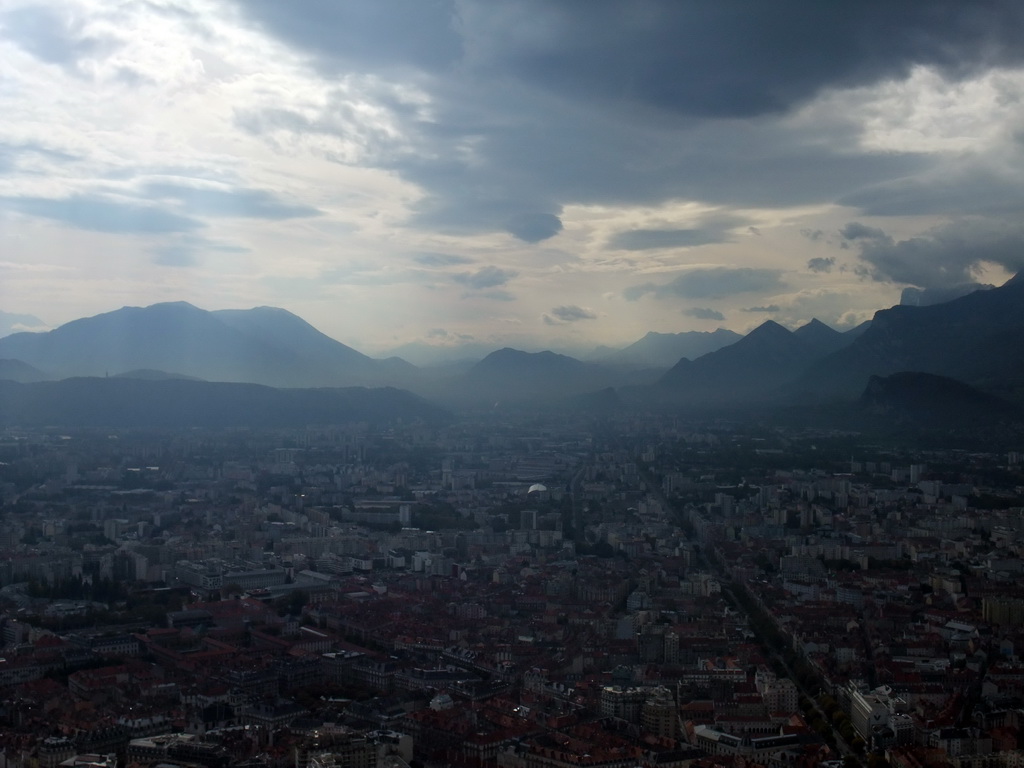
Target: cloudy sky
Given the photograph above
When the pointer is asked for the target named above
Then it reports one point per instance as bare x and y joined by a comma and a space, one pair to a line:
532, 173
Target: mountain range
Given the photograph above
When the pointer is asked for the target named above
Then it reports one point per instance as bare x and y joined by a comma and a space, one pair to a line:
927, 399
663, 350
264, 345
513, 377
754, 368
974, 339
16, 370
179, 404
977, 339
13, 323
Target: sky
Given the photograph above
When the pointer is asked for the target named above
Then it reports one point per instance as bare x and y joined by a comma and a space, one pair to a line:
539, 174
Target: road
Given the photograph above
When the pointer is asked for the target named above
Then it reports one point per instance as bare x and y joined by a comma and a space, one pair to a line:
725, 578
577, 504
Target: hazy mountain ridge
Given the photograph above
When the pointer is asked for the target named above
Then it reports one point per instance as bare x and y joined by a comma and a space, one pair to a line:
752, 369
975, 338
149, 374
263, 345
12, 322
425, 355
923, 297
17, 370
273, 347
282, 329
926, 397
663, 350
177, 404
514, 377
511, 374
822, 338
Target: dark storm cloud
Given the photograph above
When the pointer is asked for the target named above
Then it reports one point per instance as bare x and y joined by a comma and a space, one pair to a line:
714, 230
730, 59
857, 231
534, 105
414, 33
704, 313
944, 257
553, 159
948, 191
102, 215
534, 227
465, 200
738, 58
821, 264
485, 277
714, 283
240, 203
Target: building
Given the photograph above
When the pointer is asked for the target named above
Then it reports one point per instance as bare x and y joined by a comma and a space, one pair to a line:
658, 716
623, 703
873, 710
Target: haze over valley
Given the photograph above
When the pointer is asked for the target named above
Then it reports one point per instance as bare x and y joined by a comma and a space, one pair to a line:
971, 339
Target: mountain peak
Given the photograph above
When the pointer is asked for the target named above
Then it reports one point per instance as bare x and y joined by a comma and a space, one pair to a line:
168, 305
268, 310
820, 337
507, 355
663, 350
266, 346
974, 338
755, 366
814, 324
769, 329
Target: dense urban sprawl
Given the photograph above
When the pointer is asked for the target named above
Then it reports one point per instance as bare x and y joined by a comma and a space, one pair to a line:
539, 592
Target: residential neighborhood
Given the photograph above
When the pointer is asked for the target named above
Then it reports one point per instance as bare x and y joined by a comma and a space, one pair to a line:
502, 593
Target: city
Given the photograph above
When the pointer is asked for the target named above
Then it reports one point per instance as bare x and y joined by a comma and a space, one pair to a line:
511, 384
509, 592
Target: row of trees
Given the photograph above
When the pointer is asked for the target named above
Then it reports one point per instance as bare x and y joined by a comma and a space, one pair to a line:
100, 590
116, 603
827, 718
